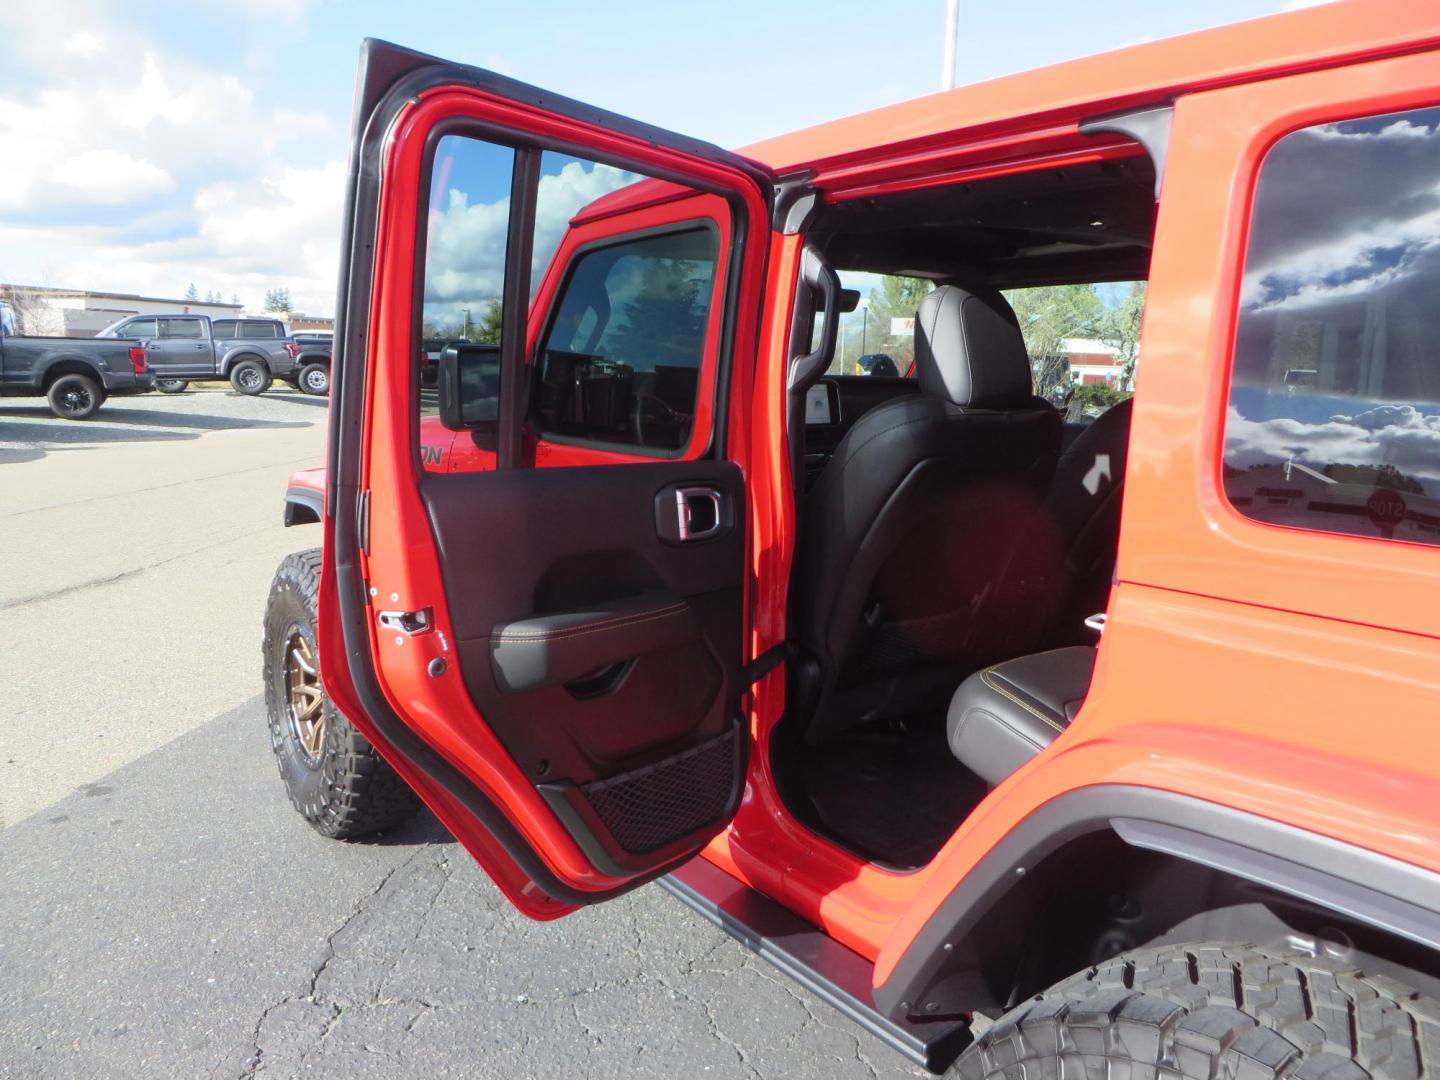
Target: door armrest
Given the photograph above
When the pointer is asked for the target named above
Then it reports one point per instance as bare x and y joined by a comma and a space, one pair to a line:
566, 646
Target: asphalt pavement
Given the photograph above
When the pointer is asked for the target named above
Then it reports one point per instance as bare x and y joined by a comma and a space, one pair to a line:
163, 912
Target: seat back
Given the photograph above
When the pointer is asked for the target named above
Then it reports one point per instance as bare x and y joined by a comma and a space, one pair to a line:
924, 550
1084, 509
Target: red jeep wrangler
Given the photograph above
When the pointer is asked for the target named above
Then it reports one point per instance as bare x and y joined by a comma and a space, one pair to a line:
650, 587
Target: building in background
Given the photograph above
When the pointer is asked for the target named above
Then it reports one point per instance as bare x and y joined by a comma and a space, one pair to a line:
1093, 363
299, 321
80, 312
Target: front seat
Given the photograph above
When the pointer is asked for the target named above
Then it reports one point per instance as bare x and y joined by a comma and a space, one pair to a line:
924, 552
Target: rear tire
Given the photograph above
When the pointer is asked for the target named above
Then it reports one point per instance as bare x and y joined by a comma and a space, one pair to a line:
315, 379
75, 397
250, 377
1214, 1011
172, 386
335, 779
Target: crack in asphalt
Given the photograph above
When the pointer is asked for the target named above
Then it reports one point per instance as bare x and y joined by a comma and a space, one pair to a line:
255, 1059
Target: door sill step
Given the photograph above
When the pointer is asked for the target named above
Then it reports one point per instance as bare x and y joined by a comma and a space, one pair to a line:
835, 974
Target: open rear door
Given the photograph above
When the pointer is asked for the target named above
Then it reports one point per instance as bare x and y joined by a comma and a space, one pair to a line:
535, 543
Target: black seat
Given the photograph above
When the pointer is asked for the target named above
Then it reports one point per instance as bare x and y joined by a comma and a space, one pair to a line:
1084, 507
924, 551
1004, 715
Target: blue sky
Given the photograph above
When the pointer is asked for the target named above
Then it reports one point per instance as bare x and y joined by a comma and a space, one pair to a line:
149, 145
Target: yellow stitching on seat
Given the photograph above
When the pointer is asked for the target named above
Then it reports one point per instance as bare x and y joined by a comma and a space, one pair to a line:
985, 678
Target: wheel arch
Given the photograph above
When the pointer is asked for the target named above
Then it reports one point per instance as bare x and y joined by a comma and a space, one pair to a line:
70, 365
231, 359
1056, 894
303, 506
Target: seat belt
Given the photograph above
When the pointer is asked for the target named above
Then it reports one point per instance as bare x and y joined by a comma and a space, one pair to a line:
767, 662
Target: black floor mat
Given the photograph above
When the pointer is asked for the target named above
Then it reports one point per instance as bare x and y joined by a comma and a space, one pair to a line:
892, 795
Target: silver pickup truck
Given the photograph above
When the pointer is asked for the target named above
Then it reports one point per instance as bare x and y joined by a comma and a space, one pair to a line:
75, 375
182, 349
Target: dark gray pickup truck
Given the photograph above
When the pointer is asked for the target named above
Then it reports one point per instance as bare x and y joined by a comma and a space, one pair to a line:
75, 375
193, 348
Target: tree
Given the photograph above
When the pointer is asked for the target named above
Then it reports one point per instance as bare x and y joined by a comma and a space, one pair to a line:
33, 313
664, 324
1120, 329
1048, 315
192, 293
278, 300
235, 298
894, 298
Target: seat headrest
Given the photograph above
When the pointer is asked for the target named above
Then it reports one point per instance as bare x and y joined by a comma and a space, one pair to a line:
968, 349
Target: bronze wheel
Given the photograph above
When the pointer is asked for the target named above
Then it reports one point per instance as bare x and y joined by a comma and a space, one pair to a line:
304, 698
332, 775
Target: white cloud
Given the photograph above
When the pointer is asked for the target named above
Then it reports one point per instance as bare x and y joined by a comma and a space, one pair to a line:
85, 44
165, 168
465, 258
1398, 435
1296, 5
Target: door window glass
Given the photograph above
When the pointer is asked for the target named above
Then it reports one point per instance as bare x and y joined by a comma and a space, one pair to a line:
181, 328
259, 328
620, 362
466, 238
1334, 408
140, 328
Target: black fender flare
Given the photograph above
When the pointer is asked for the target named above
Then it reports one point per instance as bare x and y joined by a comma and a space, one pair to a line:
1395, 897
303, 506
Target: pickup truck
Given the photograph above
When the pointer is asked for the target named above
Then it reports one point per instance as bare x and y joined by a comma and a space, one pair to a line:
250, 353
313, 362
74, 375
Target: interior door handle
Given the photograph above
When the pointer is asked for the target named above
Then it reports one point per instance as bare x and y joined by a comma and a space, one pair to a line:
690, 513
697, 512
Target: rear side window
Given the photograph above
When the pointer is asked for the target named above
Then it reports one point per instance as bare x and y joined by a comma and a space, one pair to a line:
259, 328
224, 328
181, 328
620, 362
1334, 410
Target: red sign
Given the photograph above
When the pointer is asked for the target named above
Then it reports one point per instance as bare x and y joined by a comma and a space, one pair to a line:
1386, 509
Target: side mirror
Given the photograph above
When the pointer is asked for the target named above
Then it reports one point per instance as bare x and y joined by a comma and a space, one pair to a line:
469, 387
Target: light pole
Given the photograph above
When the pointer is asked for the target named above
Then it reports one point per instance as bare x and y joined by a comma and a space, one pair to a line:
952, 28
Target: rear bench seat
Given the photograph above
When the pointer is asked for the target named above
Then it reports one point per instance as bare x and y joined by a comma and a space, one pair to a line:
1005, 714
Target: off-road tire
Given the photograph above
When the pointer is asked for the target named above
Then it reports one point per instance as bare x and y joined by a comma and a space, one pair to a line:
351, 790
1214, 1012
315, 379
75, 397
172, 386
250, 377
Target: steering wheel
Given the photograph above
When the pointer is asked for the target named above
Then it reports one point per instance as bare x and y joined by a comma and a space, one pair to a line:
653, 411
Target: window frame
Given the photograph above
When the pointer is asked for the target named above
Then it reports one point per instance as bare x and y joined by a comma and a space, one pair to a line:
1253, 180
514, 450
572, 260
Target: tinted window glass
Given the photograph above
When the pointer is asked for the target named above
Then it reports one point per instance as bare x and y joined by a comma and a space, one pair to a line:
139, 328
259, 328
181, 328
467, 235
620, 362
1334, 417
224, 328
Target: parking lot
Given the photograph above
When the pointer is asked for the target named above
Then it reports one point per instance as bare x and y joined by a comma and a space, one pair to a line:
164, 912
